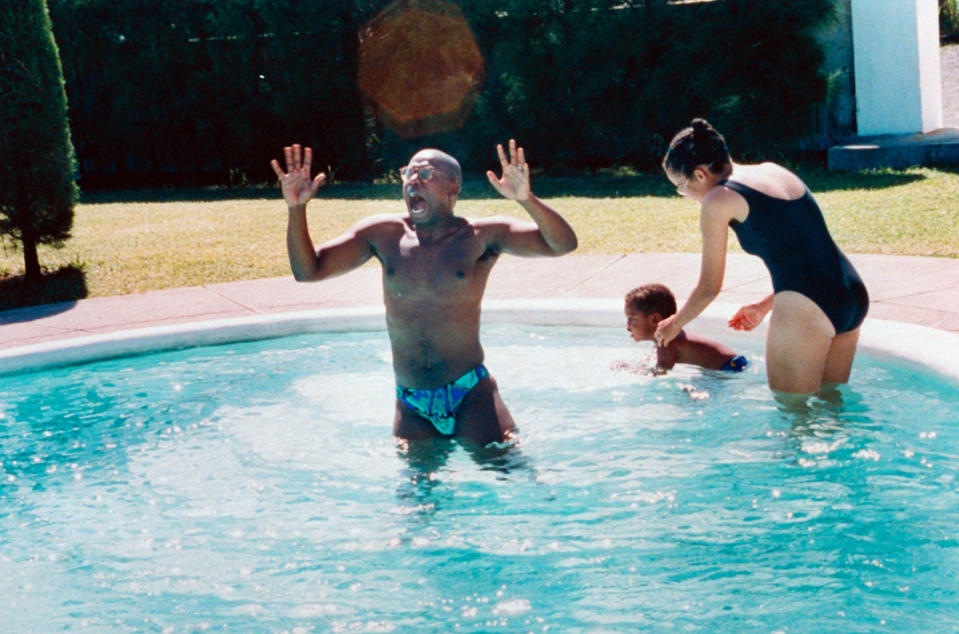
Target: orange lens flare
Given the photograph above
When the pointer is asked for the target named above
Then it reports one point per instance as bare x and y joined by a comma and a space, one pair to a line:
420, 67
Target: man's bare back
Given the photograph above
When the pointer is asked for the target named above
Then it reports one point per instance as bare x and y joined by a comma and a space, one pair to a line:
435, 268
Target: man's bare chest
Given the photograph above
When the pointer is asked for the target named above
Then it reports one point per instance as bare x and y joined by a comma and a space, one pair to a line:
447, 266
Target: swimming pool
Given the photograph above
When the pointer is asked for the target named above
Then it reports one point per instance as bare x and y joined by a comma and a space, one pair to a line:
256, 487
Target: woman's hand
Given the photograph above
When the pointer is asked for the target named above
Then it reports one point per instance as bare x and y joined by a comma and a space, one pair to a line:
298, 189
748, 317
667, 330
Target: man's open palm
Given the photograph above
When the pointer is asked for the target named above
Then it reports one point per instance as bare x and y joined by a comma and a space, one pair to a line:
515, 181
298, 189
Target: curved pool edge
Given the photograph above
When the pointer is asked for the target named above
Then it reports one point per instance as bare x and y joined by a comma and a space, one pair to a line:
920, 346
138, 341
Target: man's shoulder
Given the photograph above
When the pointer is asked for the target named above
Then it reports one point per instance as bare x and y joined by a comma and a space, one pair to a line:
485, 221
493, 223
382, 221
386, 218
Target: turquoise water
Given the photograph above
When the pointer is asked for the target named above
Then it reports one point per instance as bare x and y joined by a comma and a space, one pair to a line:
256, 487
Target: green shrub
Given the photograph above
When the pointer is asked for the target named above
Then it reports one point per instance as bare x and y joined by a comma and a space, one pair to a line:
949, 19
207, 91
37, 189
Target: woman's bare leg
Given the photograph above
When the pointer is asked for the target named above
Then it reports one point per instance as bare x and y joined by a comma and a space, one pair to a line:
841, 354
797, 344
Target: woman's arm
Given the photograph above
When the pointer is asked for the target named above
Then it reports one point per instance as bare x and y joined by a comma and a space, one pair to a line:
751, 315
719, 207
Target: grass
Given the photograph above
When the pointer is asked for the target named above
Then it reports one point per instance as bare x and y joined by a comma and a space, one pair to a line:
129, 242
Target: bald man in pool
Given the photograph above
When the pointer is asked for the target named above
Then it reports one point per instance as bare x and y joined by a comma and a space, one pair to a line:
435, 267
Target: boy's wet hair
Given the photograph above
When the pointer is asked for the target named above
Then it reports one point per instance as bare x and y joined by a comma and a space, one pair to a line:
652, 298
697, 144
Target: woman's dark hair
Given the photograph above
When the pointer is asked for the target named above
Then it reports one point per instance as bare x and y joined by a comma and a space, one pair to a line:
697, 144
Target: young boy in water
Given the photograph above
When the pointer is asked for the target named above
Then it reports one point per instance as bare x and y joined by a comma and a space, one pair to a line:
649, 304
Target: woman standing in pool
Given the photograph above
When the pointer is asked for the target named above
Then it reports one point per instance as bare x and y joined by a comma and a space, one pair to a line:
818, 301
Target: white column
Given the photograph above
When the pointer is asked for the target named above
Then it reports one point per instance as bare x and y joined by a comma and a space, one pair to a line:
896, 62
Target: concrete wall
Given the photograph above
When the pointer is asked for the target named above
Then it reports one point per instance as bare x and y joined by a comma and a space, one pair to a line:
896, 65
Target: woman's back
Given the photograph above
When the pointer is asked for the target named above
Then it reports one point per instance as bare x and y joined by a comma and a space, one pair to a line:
771, 179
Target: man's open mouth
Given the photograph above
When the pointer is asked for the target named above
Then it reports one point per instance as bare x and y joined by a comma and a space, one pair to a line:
417, 203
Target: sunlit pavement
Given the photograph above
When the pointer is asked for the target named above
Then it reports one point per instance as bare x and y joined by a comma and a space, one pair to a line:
916, 290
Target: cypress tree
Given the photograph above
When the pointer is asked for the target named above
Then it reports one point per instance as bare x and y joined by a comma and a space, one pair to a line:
37, 188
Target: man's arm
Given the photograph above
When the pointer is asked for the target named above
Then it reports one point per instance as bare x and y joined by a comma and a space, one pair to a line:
342, 254
551, 234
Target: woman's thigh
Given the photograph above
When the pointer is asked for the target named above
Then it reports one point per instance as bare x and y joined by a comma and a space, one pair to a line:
797, 344
841, 353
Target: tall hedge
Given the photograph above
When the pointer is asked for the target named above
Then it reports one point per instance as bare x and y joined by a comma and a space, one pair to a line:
949, 20
206, 91
37, 189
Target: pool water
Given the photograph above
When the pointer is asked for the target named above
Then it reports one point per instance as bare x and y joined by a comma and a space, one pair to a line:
256, 487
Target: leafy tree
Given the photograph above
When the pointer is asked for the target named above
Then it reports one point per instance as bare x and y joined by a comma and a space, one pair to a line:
205, 91
37, 189
949, 19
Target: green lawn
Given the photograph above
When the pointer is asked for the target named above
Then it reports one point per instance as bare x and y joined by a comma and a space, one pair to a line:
129, 242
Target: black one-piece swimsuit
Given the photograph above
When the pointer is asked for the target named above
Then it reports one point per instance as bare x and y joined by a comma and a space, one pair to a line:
792, 239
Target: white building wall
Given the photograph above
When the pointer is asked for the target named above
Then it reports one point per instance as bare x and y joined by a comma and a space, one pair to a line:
896, 63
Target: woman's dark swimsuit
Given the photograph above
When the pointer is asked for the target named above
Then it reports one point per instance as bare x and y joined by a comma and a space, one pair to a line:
792, 239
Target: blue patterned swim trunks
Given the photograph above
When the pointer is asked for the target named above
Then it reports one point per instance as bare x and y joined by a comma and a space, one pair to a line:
736, 364
441, 404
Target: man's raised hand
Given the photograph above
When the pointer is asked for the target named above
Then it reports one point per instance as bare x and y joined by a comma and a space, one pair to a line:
298, 189
515, 181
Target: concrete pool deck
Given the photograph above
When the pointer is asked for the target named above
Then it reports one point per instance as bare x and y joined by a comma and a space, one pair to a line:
922, 291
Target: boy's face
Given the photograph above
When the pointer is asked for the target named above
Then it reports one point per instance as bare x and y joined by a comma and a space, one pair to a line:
640, 325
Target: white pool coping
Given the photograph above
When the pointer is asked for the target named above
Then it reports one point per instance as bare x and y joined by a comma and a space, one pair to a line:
921, 346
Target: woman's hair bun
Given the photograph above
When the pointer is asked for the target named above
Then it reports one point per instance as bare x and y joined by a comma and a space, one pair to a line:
697, 144
700, 126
